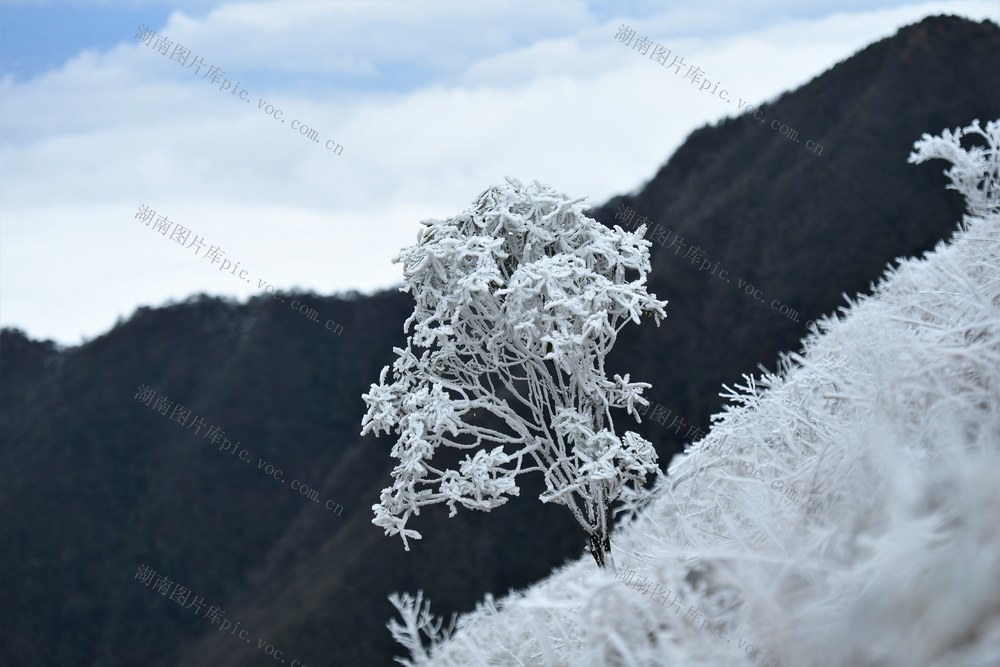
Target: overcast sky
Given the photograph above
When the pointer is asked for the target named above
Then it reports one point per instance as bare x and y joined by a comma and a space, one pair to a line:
430, 102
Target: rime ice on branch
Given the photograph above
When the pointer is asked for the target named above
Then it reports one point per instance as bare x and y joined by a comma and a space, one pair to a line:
974, 172
518, 302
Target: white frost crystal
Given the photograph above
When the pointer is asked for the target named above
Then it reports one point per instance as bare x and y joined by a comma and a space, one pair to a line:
518, 302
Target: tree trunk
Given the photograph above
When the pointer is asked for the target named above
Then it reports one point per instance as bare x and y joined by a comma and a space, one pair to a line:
600, 543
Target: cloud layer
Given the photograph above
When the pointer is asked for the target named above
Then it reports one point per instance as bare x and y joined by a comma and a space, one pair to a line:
431, 101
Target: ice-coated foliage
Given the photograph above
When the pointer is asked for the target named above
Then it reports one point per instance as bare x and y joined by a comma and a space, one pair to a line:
842, 512
417, 619
974, 172
518, 301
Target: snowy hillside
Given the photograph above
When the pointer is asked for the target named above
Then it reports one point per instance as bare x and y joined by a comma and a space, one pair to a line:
843, 511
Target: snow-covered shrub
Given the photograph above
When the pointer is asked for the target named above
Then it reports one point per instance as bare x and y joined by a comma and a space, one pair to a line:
974, 172
518, 302
888, 424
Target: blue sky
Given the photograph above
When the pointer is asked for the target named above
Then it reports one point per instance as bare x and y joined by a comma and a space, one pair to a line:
36, 38
430, 101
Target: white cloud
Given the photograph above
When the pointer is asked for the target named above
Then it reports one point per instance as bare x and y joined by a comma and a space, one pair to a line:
545, 92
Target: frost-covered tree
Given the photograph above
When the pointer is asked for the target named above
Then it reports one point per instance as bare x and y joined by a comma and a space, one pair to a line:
518, 302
